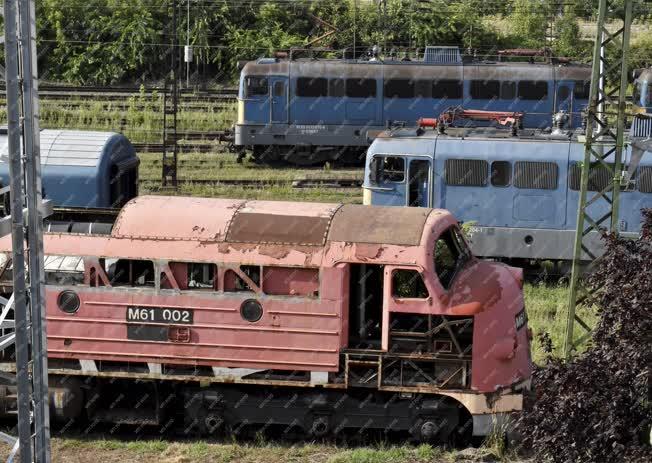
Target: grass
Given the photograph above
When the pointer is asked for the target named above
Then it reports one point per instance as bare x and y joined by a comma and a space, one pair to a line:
74, 450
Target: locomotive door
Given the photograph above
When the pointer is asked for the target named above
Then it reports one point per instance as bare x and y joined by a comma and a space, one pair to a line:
278, 99
418, 188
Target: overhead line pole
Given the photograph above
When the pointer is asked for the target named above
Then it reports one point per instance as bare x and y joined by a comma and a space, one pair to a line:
604, 139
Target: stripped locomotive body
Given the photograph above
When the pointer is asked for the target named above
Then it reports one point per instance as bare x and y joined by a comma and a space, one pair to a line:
214, 315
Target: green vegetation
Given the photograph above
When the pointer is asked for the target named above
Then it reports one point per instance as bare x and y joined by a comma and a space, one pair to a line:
115, 41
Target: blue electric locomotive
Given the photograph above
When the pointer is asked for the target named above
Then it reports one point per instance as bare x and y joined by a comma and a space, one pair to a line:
520, 193
83, 169
310, 111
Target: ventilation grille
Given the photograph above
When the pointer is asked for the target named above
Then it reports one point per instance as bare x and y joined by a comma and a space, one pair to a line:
466, 172
442, 55
599, 178
535, 175
645, 179
641, 127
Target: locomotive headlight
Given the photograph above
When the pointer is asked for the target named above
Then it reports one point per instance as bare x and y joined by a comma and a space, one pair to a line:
68, 301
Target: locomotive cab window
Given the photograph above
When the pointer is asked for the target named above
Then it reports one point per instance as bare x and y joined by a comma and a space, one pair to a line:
507, 90
387, 169
130, 272
581, 90
408, 284
312, 87
450, 255
256, 86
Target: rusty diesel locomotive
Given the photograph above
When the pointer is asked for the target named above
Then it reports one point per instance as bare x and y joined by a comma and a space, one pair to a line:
213, 315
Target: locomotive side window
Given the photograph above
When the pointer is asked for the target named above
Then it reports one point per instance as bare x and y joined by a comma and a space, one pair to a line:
278, 89
336, 87
290, 281
408, 284
507, 90
256, 86
387, 169
399, 88
450, 255
129, 272
466, 172
361, 88
447, 88
485, 89
581, 90
535, 175
312, 86
235, 283
532, 90
193, 275
501, 173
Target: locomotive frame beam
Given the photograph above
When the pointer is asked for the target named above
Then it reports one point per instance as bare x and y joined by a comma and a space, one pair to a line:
605, 125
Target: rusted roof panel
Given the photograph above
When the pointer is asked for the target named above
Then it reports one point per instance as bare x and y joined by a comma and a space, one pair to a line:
175, 218
281, 223
378, 224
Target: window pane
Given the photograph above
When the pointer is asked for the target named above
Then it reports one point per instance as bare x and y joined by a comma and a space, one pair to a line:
360, 88
125, 272
532, 90
256, 86
447, 258
535, 175
501, 173
507, 90
485, 89
336, 87
408, 284
581, 90
466, 172
390, 169
399, 88
312, 86
447, 88
279, 88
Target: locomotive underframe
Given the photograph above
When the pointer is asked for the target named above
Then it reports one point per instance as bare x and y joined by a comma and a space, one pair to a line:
89, 390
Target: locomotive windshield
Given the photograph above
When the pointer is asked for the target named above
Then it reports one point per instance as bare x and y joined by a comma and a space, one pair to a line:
256, 86
451, 253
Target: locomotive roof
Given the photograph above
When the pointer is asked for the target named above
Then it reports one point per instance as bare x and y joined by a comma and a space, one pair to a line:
211, 220
418, 69
72, 148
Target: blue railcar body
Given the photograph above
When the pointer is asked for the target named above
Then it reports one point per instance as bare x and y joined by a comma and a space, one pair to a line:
83, 169
520, 194
318, 110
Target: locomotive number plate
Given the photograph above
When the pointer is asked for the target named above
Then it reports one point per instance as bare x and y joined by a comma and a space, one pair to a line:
157, 324
159, 315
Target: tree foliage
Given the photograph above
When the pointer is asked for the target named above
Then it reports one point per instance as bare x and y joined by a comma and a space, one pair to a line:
114, 41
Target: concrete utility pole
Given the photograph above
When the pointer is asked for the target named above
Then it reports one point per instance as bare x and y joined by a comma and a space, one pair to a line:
27, 212
603, 150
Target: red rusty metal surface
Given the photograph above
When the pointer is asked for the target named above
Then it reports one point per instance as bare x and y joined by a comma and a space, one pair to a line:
302, 330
